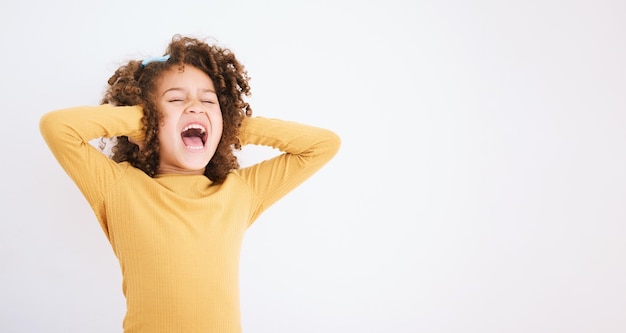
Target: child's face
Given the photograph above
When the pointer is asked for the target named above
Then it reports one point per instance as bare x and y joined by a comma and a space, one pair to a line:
191, 125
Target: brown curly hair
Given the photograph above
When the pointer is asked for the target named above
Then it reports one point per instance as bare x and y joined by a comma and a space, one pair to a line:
135, 84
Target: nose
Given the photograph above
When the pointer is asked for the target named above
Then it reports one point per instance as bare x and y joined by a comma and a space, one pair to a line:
194, 110
195, 107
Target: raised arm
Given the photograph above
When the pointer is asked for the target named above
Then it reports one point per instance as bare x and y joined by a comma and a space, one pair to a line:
68, 133
305, 149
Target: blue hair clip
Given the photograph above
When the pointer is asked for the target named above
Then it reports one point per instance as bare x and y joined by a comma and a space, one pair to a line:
153, 59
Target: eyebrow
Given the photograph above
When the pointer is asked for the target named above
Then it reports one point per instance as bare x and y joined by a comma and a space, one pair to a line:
206, 90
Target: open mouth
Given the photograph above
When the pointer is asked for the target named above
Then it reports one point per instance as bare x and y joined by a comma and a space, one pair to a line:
194, 136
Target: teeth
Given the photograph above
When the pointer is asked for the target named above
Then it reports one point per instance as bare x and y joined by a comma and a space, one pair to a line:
195, 126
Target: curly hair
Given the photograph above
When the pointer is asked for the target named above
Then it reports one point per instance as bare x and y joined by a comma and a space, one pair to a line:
135, 84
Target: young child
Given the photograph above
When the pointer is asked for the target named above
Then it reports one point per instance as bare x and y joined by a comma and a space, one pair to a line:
171, 198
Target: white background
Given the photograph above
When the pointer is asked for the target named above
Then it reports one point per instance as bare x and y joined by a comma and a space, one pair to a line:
480, 186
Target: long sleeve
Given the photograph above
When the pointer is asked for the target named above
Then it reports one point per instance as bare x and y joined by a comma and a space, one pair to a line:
68, 133
305, 149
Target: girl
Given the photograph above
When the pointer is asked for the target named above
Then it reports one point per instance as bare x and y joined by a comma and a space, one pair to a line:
171, 198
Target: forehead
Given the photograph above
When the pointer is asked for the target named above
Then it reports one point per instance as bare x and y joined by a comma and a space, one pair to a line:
189, 77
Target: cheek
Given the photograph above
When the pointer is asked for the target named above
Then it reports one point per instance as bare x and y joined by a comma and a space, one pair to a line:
217, 122
167, 131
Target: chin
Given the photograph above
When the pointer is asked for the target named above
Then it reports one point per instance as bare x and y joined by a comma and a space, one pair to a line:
196, 167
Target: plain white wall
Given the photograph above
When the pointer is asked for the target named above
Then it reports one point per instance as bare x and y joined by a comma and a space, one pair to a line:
480, 187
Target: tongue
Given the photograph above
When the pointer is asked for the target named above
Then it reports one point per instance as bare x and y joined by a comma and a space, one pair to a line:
192, 141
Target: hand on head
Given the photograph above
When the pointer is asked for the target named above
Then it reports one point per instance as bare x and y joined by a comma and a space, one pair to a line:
137, 142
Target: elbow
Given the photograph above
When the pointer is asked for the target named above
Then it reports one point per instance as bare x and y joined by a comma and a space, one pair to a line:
50, 124
46, 123
335, 142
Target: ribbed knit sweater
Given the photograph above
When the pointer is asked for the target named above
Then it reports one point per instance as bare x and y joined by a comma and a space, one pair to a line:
178, 237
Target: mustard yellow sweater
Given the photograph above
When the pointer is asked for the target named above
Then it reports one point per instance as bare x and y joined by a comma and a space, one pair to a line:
178, 238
